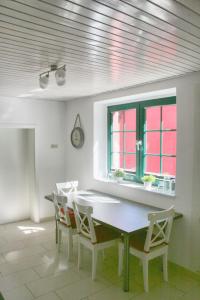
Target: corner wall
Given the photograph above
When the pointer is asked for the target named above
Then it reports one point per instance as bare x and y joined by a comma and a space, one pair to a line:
185, 244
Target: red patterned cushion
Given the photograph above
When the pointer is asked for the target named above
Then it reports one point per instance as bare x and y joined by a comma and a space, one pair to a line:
71, 216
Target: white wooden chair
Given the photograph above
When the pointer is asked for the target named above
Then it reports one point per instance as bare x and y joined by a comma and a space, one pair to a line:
147, 245
93, 237
65, 219
67, 187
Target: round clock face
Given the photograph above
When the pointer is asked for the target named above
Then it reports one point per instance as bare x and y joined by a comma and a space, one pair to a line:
77, 137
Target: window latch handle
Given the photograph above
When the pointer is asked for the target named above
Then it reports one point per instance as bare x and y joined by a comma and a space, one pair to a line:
138, 145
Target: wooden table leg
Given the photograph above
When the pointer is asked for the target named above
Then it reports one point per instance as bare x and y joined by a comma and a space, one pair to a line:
126, 263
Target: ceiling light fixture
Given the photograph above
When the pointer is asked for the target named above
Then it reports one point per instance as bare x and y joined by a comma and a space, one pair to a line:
60, 76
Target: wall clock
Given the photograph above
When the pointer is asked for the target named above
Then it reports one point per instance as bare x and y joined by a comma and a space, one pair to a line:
77, 134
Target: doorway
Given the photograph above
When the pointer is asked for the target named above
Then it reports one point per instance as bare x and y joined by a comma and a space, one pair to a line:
17, 174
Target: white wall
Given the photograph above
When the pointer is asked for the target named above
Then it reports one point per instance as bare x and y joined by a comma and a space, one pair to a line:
48, 120
185, 246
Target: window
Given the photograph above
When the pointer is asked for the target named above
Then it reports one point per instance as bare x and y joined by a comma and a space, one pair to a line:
142, 138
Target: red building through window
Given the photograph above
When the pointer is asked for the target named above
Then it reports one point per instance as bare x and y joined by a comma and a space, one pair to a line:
158, 131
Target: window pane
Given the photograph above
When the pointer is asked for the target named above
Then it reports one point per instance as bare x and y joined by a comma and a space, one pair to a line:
169, 116
118, 120
152, 164
153, 142
169, 143
130, 142
153, 117
117, 161
117, 142
130, 162
130, 119
169, 166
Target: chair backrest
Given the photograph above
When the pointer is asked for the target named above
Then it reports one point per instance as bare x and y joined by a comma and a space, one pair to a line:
61, 210
66, 187
84, 222
159, 228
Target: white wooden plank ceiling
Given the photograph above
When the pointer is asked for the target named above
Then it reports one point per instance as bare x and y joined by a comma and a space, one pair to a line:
105, 44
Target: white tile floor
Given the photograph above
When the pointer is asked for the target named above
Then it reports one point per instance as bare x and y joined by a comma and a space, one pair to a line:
32, 268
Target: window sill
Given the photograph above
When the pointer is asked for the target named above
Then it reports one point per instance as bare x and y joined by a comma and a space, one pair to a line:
137, 186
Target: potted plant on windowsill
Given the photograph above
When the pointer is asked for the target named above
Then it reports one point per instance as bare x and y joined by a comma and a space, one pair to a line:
118, 175
148, 181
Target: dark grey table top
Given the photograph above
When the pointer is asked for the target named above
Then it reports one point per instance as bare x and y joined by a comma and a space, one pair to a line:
124, 215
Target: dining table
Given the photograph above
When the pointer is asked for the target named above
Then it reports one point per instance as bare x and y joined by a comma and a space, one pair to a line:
124, 216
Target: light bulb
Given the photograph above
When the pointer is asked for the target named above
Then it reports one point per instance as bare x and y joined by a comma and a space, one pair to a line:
44, 80
60, 76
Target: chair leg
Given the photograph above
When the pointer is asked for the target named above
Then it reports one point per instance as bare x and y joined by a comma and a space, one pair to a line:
79, 254
145, 264
94, 263
69, 244
56, 232
165, 266
120, 258
59, 239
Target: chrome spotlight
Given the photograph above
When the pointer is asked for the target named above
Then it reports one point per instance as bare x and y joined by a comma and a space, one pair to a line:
60, 75
44, 80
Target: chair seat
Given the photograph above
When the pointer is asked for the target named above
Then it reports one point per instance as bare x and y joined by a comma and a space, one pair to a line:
105, 234
138, 239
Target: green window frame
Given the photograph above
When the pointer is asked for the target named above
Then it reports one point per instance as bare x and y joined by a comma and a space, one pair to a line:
141, 131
